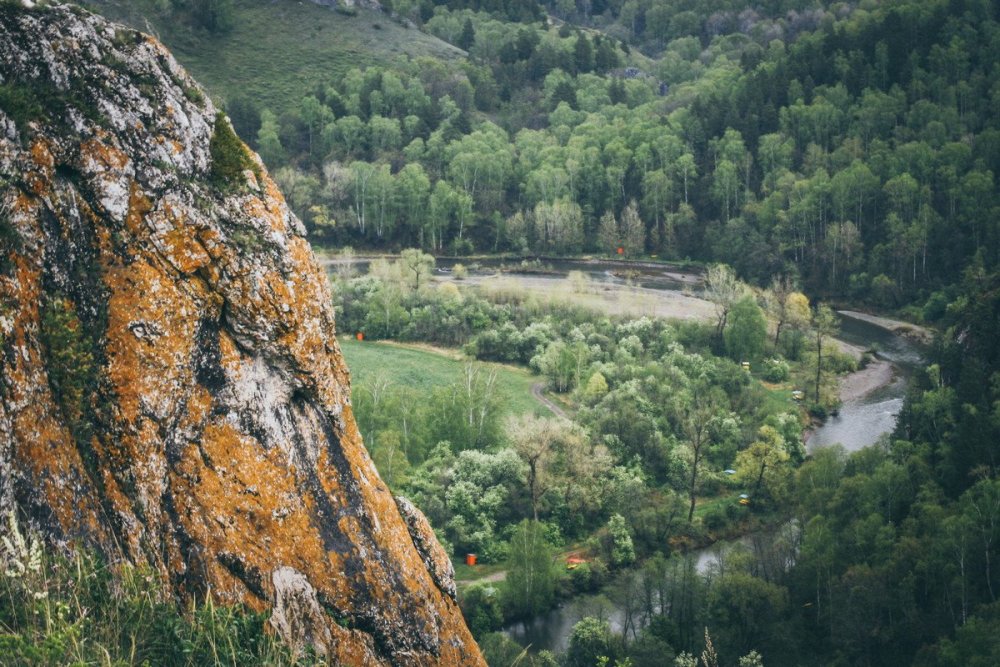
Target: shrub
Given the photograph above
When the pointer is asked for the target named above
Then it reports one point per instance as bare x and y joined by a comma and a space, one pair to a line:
21, 103
229, 156
71, 368
591, 639
10, 240
622, 549
715, 518
935, 307
482, 609
775, 370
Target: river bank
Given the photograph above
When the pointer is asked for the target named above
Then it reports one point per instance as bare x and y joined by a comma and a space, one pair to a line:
878, 372
872, 397
913, 332
610, 297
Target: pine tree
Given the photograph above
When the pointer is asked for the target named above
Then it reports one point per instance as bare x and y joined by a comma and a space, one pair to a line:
468, 36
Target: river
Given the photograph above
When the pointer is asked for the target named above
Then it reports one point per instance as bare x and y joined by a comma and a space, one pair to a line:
862, 420
866, 416
870, 405
551, 630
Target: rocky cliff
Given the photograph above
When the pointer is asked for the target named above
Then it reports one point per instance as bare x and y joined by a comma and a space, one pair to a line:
172, 391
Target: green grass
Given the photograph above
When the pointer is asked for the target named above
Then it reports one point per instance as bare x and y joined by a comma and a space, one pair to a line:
425, 370
778, 397
280, 50
705, 505
466, 573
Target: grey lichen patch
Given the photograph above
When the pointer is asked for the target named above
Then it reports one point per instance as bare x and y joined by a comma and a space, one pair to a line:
296, 610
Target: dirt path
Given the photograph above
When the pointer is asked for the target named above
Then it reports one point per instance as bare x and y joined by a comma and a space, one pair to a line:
536, 391
490, 578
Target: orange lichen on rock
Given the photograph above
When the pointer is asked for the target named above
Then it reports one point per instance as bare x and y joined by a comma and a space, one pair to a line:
214, 440
150, 338
101, 155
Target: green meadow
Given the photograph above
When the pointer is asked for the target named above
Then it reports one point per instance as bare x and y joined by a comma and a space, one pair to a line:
427, 369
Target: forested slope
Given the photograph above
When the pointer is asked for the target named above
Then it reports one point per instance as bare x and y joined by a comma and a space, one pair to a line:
857, 149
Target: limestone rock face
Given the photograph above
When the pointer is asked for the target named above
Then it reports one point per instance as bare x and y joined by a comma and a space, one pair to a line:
172, 391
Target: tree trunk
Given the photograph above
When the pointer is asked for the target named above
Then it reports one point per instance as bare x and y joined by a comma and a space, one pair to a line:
819, 362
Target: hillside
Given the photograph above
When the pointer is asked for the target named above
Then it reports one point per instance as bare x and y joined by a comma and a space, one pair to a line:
852, 149
277, 52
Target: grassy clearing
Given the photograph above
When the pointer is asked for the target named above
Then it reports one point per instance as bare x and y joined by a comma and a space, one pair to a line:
705, 505
778, 397
281, 50
471, 574
425, 368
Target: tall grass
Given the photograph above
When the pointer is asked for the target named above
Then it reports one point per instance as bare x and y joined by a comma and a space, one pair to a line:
80, 610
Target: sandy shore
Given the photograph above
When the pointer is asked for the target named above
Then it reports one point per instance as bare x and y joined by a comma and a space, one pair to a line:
875, 375
608, 298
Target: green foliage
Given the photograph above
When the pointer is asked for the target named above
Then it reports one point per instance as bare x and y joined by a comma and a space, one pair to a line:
976, 644
305, 44
81, 610
774, 370
482, 609
746, 331
229, 156
590, 640
499, 649
622, 550
22, 103
38, 100
10, 240
807, 143
531, 573
71, 367
216, 16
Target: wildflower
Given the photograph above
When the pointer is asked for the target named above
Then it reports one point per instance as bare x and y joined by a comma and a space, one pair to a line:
19, 554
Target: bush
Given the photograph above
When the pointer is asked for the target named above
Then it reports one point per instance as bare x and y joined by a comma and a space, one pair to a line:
10, 241
482, 609
70, 363
591, 639
229, 156
775, 370
715, 518
21, 103
622, 549
935, 308
580, 578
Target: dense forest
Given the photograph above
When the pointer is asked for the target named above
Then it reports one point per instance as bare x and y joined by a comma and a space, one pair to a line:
883, 557
828, 152
853, 146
